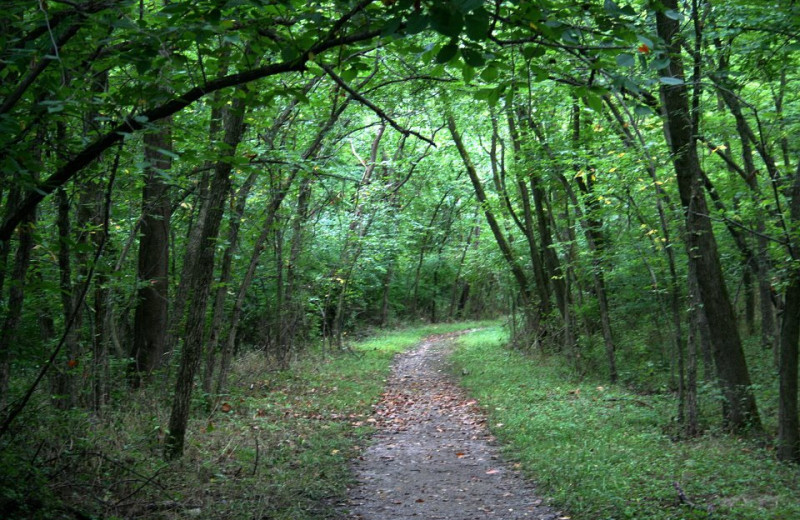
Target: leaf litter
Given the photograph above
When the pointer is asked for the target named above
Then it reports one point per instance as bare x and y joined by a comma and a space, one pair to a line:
433, 456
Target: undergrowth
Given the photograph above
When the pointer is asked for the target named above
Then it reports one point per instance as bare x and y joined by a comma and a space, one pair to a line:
605, 452
277, 446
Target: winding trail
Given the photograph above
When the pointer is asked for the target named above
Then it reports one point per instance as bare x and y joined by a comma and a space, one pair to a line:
433, 457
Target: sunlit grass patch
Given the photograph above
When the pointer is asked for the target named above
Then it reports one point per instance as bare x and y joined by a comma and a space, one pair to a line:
605, 452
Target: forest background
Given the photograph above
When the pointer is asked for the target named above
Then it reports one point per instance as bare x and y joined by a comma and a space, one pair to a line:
185, 183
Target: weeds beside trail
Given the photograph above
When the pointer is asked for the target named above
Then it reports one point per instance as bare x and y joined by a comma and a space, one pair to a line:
603, 452
277, 446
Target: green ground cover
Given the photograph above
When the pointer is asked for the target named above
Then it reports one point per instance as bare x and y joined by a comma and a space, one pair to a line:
605, 452
277, 446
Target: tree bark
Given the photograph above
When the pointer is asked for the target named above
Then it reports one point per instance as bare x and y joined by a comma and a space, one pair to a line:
16, 298
505, 249
788, 423
201, 279
741, 411
151, 315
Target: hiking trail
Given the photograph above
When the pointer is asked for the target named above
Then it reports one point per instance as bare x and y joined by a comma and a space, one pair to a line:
433, 456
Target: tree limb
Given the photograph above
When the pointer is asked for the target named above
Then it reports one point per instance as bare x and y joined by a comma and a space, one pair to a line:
369, 104
135, 123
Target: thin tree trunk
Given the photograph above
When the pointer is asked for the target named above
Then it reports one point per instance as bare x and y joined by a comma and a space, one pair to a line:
692, 417
223, 284
593, 231
64, 388
199, 210
542, 285
788, 424
358, 229
201, 279
454, 296
629, 137
9, 333
294, 310
742, 412
505, 249
280, 195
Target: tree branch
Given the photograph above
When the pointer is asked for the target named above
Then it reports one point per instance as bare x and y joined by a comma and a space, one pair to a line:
369, 104
135, 123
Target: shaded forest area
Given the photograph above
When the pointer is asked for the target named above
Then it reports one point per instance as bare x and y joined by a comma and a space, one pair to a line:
188, 182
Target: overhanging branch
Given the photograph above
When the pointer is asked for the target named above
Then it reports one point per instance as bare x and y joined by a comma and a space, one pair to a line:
369, 104
137, 122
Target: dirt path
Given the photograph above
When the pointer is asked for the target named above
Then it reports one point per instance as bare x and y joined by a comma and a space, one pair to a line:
433, 457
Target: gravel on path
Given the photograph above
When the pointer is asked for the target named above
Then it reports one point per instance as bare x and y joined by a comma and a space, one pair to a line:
433, 456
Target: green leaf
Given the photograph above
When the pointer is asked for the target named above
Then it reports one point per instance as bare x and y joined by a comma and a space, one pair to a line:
447, 53
673, 14
468, 73
533, 51
417, 23
466, 6
472, 57
349, 74
477, 24
594, 102
659, 63
645, 40
446, 21
626, 60
489, 74
612, 8
668, 80
391, 26
642, 110
483, 93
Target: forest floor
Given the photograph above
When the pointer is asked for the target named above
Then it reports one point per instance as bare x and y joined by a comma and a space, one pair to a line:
433, 456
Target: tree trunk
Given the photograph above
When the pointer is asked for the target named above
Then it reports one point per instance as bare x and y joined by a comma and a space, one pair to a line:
741, 412
63, 377
505, 249
293, 308
788, 424
542, 285
201, 278
151, 315
224, 282
788, 434
16, 298
555, 272
244, 286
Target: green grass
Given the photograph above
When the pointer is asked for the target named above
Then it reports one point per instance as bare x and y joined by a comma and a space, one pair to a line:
280, 451
606, 453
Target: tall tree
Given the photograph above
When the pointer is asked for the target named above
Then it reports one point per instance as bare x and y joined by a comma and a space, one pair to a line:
202, 276
151, 316
740, 411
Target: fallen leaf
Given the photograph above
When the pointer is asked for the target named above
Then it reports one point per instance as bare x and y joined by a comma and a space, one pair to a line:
459, 454
225, 408
492, 471
419, 501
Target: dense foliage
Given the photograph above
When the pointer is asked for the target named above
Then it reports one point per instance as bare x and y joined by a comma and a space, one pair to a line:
187, 181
